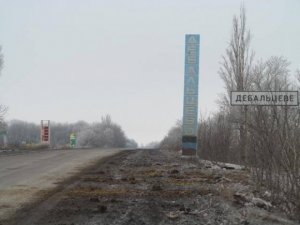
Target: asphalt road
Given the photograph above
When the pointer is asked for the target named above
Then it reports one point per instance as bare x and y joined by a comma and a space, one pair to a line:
22, 176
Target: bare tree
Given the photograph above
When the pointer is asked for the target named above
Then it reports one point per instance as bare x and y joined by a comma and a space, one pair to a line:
172, 141
3, 109
1, 59
21, 132
236, 73
216, 138
274, 137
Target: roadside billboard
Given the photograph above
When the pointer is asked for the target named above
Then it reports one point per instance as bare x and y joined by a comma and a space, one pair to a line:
45, 132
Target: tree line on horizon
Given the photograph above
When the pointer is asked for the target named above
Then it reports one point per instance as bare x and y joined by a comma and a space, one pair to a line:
103, 134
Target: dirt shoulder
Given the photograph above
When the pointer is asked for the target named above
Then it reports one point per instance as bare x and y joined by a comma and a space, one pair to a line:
153, 187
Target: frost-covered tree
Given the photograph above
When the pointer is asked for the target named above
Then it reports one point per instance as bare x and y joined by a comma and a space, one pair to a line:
20, 132
85, 138
3, 108
60, 132
130, 143
103, 134
1, 59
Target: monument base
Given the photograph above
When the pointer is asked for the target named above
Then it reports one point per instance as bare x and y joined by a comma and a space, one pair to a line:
189, 152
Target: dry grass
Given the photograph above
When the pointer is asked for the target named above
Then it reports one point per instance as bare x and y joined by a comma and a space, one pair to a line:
150, 173
184, 182
92, 179
239, 177
199, 174
88, 192
123, 192
226, 192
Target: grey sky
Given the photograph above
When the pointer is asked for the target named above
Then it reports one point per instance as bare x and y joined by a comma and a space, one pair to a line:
78, 60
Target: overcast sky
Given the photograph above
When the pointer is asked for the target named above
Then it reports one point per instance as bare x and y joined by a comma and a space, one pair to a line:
70, 60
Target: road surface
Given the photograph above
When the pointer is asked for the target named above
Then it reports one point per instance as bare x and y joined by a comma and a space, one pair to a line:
22, 176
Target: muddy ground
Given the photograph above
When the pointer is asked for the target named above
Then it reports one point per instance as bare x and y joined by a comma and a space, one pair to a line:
154, 187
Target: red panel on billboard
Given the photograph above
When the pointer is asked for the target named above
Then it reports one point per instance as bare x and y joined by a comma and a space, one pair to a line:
45, 131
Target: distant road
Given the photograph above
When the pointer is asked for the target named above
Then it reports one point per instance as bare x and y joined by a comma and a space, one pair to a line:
23, 175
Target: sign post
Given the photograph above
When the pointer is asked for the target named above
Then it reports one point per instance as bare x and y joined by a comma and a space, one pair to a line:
3, 133
190, 105
72, 140
45, 132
